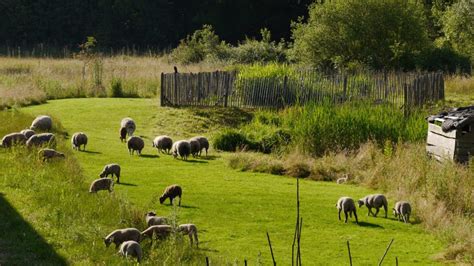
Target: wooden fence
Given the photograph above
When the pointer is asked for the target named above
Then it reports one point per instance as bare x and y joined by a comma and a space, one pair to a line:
225, 88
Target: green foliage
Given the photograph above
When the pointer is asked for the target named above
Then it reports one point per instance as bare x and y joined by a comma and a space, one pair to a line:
116, 89
231, 140
263, 51
443, 58
458, 27
377, 34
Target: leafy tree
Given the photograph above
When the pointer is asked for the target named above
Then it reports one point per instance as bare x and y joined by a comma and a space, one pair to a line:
458, 27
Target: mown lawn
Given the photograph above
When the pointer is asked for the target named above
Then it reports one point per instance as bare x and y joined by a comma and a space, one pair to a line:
232, 209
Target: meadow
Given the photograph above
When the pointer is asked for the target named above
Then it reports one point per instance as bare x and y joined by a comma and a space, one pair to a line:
233, 209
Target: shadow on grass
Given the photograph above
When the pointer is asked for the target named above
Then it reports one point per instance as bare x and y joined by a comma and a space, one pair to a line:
92, 152
149, 156
194, 161
366, 224
20, 244
209, 157
126, 184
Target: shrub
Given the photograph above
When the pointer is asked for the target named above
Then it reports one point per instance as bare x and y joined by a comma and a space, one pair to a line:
443, 58
231, 140
263, 51
116, 89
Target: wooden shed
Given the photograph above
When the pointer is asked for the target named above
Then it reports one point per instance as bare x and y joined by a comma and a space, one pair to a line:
451, 135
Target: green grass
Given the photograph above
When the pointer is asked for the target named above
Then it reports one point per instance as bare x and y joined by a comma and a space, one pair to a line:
232, 209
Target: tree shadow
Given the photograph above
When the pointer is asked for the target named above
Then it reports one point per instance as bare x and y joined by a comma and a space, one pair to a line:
367, 224
20, 244
149, 156
126, 184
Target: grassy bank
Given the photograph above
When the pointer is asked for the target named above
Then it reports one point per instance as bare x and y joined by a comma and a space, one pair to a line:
232, 209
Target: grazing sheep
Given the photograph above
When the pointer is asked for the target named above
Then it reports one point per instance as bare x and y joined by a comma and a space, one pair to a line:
40, 139
204, 144
47, 154
402, 210
347, 205
195, 147
135, 144
121, 235
190, 230
152, 219
28, 133
111, 169
171, 192
12, 139
42, 123
79, 139
374, 201
342, 180
181, 148
127, 126
131, 248
101, 184
163, 143
159, 231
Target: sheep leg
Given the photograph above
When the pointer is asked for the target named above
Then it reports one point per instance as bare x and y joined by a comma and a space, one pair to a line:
376, 212
171, 201
345, 215
179, 203
339, 214
191, 238
370, 211
196, 238
355, 215
206, 152
385, 209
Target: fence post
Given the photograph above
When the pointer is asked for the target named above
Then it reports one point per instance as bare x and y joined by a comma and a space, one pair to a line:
162, 91
344, 95
283, 92
405, 99
226, 88
175, 75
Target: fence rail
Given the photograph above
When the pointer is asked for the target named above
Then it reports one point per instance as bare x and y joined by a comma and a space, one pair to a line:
226, 88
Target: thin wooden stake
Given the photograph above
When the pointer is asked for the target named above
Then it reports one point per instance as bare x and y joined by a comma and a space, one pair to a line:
396, 261
349, 251
207, 261
386, 251
245, 262
271, 250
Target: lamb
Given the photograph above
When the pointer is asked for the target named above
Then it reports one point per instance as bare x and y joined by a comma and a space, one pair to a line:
40, 139
111, 169
48, 154
204, 143
121, 235
342, 180
101, 184
171, 192
163, 143
374, 201
79, 139
181, 148
159, 231
402, 210
190, 230
135, 144
152, 219
131, 248
42, 123
28, 133
195, 147
347, 205
127, 126
12, 139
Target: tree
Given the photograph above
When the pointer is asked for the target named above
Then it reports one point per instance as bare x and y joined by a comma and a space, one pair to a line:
458, 27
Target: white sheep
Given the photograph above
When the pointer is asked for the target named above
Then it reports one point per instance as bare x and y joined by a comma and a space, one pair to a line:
402, 210
172, 192
181, 148
13, 139
41, 139
127, 126
342, 180
204, 144
79, 139
42, 123
101, 184
347, 205
158, 231
152, 219
135, 144
374, 201
28, 133
190, 230
47, 154
131, 248
195, 147
111, 169
121, 235
163, 143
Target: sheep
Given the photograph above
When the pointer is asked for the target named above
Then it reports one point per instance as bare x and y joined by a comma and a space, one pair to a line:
171, 192
163, 143
195, 147
135, 144
347, 205
127, 126
152, 219
374, 201
159, 231
190, 230
342, 180
40, 139
131, 248
79, 139
28, 133
203, 142
48, 154
121, 235
402, 210
111, 169
12, 139
181, 148
42, 123
101, 184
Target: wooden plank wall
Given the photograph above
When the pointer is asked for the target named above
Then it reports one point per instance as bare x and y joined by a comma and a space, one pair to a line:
225, 88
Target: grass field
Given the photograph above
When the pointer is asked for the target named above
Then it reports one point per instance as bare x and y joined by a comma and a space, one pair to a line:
232, 209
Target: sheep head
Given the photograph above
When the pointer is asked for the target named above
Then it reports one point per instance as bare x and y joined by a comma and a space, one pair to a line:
108, 241
361, 202
162, 199
123, 133
151, 213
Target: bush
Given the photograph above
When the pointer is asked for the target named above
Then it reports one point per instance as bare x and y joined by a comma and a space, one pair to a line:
116, 89
231, 140
263, 51
445, 59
